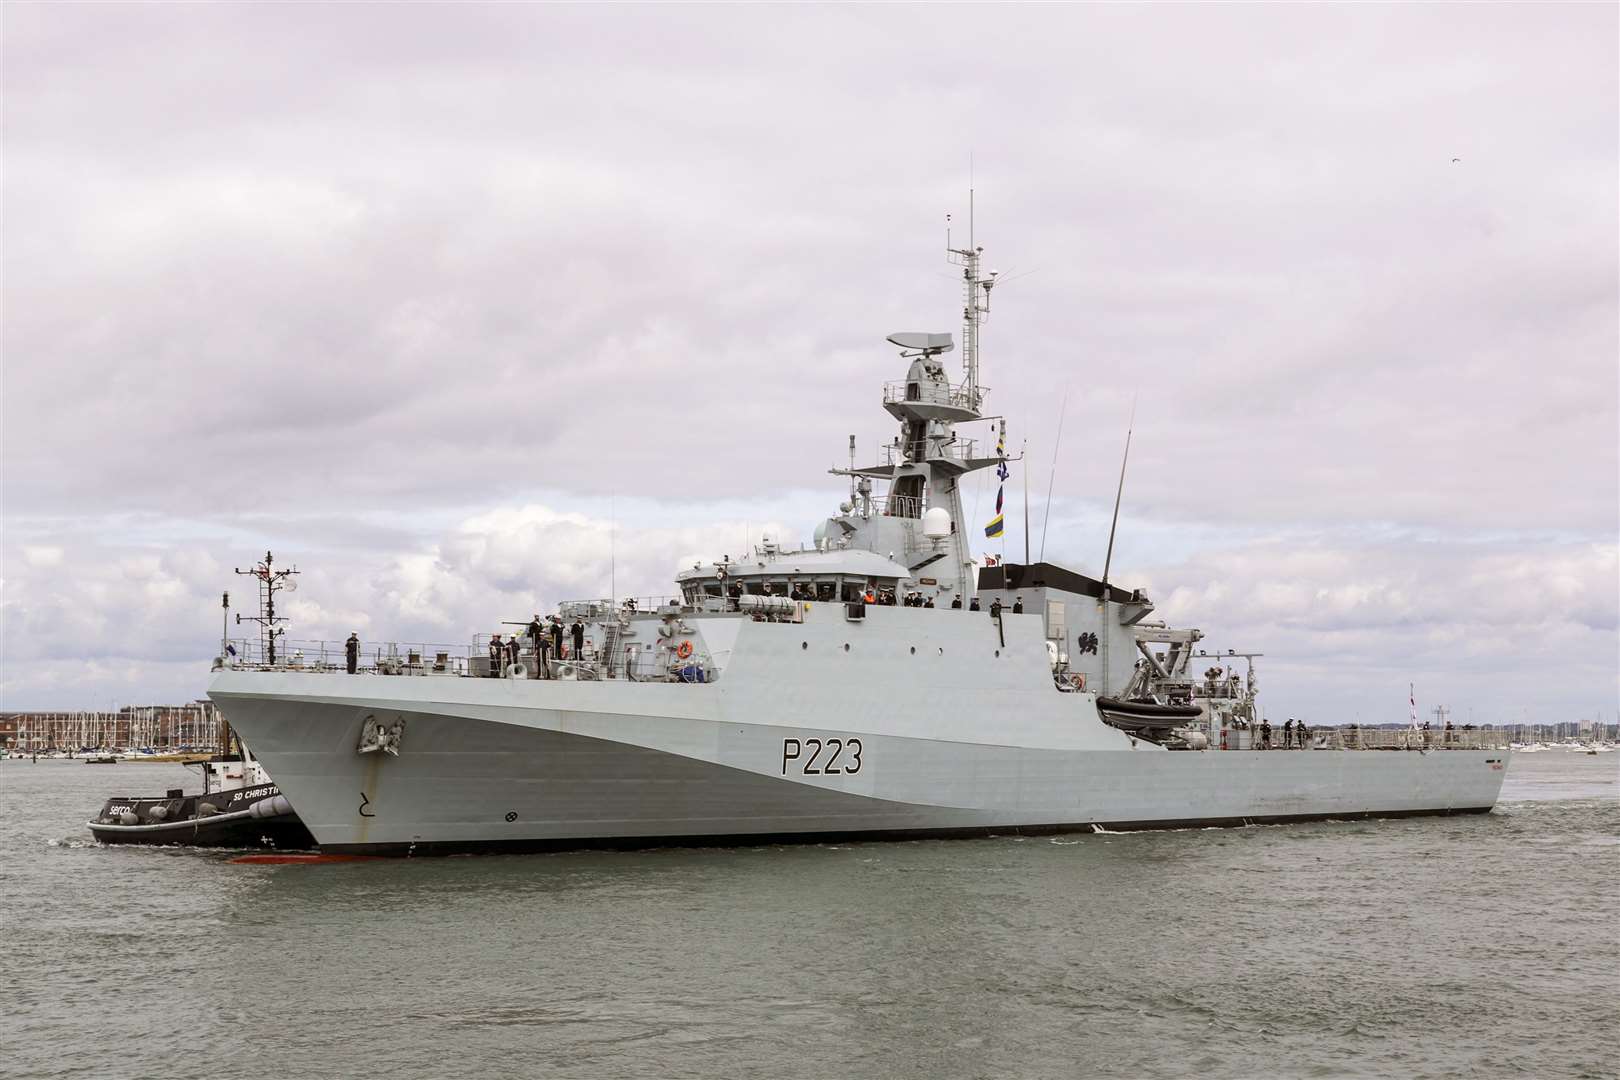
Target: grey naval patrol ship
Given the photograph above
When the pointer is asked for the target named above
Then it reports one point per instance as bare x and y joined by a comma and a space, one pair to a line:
878, 684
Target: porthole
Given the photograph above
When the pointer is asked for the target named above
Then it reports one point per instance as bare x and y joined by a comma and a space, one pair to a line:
914, 650
846, 646
942, 650
804, 644
998, 652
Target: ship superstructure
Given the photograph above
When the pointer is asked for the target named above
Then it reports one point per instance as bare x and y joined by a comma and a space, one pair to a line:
876, 683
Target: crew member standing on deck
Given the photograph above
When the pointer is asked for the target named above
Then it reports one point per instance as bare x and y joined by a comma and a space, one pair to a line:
351, 651
1265, 734
556, 636
1304, 734
1288, 734
579, 638
514, 648
496, 651
1018, 605
537, 631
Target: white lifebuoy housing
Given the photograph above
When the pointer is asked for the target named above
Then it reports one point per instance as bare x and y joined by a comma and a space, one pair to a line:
567, 671
516, 671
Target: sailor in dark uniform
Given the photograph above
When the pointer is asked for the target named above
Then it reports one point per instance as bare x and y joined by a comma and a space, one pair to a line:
1288, 734
496, 652
351, 651
1018, 605
513, 649
537, 632
556, 636
579, 638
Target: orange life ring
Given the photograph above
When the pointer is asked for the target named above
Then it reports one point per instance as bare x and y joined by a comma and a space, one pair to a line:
683, 650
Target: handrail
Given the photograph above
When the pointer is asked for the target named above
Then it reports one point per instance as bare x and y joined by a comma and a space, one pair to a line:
959, 395
1344, 738
955, 449
466, 661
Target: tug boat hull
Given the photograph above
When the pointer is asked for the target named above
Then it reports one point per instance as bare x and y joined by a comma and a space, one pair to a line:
256, 817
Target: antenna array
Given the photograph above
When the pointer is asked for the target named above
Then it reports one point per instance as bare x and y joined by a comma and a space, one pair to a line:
271, 581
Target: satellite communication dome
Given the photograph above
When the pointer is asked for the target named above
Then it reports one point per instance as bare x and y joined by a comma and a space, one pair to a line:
821, 537
937, 523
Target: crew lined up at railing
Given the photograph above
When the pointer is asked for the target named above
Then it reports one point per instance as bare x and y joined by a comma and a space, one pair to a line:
545, 643
1294, 735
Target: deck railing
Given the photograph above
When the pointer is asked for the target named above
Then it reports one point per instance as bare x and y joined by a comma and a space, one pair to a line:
959, 395
1406, 739
1336, 738
319, 655
400, 658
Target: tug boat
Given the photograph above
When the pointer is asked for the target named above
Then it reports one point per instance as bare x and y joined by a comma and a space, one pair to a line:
239, 807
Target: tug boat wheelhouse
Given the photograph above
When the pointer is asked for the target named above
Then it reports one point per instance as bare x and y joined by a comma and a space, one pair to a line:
876, 684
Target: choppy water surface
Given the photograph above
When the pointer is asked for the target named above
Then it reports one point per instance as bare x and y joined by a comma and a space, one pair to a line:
1482, 946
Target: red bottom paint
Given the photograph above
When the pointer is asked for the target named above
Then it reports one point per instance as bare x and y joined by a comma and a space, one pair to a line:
280, 859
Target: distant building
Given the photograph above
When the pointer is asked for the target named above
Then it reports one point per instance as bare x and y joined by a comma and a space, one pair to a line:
196, 725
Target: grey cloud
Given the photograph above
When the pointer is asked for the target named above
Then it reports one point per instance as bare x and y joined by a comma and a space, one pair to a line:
370, 275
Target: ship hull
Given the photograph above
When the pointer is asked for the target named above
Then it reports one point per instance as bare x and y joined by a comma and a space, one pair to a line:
503, 765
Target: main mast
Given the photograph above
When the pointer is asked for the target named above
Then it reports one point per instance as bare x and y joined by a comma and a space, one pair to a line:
919, 521
975, 303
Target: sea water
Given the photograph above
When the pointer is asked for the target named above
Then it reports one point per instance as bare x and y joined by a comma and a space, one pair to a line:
1479, 946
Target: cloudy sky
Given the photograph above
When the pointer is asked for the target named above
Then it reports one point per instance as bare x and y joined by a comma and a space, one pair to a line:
428, 299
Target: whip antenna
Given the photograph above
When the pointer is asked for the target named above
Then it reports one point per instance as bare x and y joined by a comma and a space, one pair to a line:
1046, 515
1108, 561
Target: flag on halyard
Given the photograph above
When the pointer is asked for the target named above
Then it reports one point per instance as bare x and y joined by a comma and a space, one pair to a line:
994, 529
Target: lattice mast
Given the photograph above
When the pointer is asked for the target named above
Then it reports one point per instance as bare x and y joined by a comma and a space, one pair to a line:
975, 301
270, 581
